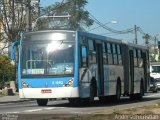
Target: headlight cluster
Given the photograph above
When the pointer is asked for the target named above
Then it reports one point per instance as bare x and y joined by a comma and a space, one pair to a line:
69, 83
25, 85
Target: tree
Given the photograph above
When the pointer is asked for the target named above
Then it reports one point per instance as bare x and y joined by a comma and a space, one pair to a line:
6, 70
13, 20
79, 16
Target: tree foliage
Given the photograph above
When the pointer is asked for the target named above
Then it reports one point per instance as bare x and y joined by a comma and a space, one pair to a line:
13, 19
7, 71
79, 16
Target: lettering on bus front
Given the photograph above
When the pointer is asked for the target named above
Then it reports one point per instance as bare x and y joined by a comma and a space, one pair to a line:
57, 82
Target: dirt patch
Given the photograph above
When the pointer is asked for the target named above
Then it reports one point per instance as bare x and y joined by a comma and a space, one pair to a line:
151, 109
151, 112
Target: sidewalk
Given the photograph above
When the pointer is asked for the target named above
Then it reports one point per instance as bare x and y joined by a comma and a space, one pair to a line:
11, 99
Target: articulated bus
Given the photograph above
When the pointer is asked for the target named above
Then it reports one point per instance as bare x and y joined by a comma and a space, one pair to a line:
79, 66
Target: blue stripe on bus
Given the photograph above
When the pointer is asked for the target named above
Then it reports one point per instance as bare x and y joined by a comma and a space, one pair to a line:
76, 72
19, 61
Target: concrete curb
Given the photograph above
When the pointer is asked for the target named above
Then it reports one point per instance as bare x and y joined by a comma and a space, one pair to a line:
12, 99
15, 101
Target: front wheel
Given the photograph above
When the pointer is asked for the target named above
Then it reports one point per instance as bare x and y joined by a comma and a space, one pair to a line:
42, 102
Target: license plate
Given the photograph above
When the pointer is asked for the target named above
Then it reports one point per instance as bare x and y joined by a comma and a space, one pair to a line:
46, 91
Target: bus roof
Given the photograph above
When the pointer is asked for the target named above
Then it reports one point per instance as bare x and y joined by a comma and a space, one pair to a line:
109, 39
47, 31
92, 35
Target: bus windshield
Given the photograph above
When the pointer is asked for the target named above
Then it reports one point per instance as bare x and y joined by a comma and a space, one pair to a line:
47, 58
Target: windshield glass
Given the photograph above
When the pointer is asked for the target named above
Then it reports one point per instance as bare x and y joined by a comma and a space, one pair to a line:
48, 58
155, 69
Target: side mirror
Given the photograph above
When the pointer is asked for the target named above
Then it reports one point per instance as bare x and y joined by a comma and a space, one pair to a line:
84, 52
13, 51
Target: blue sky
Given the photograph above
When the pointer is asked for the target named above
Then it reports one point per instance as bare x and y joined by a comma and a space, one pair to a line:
143, 13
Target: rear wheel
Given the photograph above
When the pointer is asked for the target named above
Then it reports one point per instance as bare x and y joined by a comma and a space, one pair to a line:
42, 102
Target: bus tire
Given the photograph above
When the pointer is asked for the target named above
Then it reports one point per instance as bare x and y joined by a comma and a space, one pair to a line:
118, 91
42, 102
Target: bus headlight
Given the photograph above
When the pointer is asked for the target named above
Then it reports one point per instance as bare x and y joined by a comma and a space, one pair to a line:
25, 85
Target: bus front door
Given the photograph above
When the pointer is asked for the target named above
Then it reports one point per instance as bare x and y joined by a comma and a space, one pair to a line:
100, 70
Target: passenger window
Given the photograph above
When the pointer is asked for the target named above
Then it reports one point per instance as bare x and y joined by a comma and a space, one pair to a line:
114, 48
119, 54
83, 56
135, 58
91, 46
104, 47
109, 48
109, 53
140, 60
104, 54
92, 52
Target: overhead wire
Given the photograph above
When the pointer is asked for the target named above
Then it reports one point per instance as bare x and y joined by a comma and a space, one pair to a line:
108, 28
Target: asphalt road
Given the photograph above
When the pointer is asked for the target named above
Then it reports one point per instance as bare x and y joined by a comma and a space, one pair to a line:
62, 107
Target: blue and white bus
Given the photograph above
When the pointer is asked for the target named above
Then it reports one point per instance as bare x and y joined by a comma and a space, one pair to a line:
79, 66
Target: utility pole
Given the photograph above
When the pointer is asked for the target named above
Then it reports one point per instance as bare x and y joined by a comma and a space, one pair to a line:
135, 29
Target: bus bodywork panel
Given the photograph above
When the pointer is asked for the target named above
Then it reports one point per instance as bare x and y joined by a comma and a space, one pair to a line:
136, 68
59, 92
111, 74
106, 75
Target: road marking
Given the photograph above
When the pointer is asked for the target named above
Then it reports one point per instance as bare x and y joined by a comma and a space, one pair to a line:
47, 108
50, 108
12, 112
34, 110
82, 113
